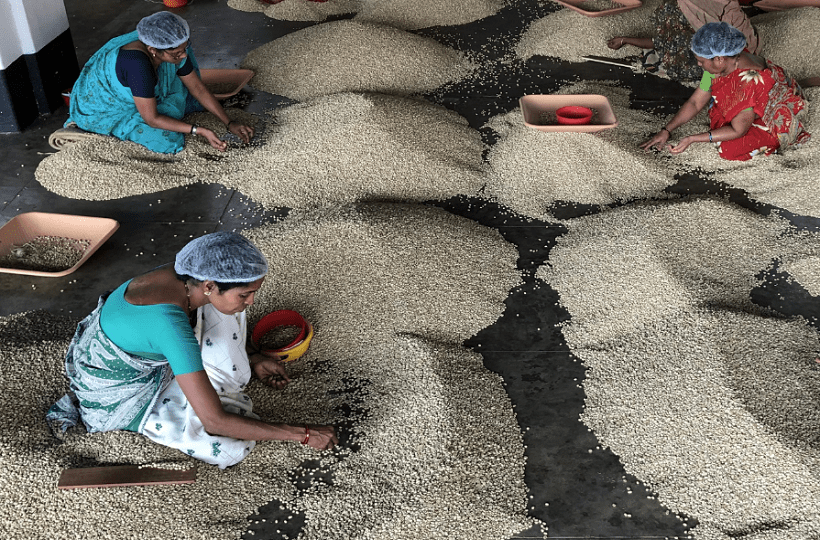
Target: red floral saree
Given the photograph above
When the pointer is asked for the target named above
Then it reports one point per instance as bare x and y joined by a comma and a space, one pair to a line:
777, 102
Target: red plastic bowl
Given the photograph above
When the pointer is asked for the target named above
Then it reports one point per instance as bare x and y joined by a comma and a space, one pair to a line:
574, 115
284, 317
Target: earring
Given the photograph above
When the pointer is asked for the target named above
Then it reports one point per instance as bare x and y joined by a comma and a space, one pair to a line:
207, 293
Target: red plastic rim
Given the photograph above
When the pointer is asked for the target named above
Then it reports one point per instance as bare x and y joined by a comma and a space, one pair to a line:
574, 114
282, 317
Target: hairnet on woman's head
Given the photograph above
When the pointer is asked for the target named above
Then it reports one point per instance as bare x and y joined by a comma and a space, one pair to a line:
224, 257
163, 30
718, 39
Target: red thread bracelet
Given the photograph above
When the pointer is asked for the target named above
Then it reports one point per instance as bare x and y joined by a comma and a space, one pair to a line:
307, 435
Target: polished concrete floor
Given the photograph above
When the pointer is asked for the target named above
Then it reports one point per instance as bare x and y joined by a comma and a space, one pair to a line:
577, 493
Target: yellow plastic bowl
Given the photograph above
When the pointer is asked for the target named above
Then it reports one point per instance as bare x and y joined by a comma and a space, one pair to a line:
284, 317
289, 354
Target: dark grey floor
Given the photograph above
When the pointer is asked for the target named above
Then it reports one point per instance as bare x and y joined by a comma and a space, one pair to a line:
586, 492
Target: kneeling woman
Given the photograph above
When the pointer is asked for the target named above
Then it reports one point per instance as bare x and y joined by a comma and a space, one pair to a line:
754, 106
136, 363
139, 86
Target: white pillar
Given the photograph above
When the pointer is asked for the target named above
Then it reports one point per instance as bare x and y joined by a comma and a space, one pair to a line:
38, 22
37, 59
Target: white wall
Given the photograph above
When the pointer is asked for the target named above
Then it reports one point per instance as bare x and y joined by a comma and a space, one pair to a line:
10, 47
26, 26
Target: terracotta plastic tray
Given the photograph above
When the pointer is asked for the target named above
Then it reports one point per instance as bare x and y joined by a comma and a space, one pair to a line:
780, 5
583, 6
225, 83
25, 227
536, 105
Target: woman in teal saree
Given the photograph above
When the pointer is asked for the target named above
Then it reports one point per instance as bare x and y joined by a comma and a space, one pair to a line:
139, 86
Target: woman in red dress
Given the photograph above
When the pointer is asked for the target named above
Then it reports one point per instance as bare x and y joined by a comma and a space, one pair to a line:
754, 106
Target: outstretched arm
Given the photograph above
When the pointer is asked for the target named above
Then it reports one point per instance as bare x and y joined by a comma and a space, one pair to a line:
696, 102
147, 108
619, 41
205, 401
737, 128
198, 89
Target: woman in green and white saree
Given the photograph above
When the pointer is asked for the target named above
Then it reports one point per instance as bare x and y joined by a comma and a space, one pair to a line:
165, 355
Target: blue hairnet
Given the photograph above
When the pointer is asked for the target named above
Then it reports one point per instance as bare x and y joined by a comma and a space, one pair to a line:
718, 39
163, 30
224, 257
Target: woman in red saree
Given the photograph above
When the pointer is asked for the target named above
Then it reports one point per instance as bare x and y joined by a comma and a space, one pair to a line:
754, 106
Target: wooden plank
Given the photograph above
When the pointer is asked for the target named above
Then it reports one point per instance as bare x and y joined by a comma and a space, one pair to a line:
123, 475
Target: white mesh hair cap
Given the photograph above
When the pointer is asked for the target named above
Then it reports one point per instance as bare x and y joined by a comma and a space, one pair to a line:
224, 257
163, 30
718, 39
